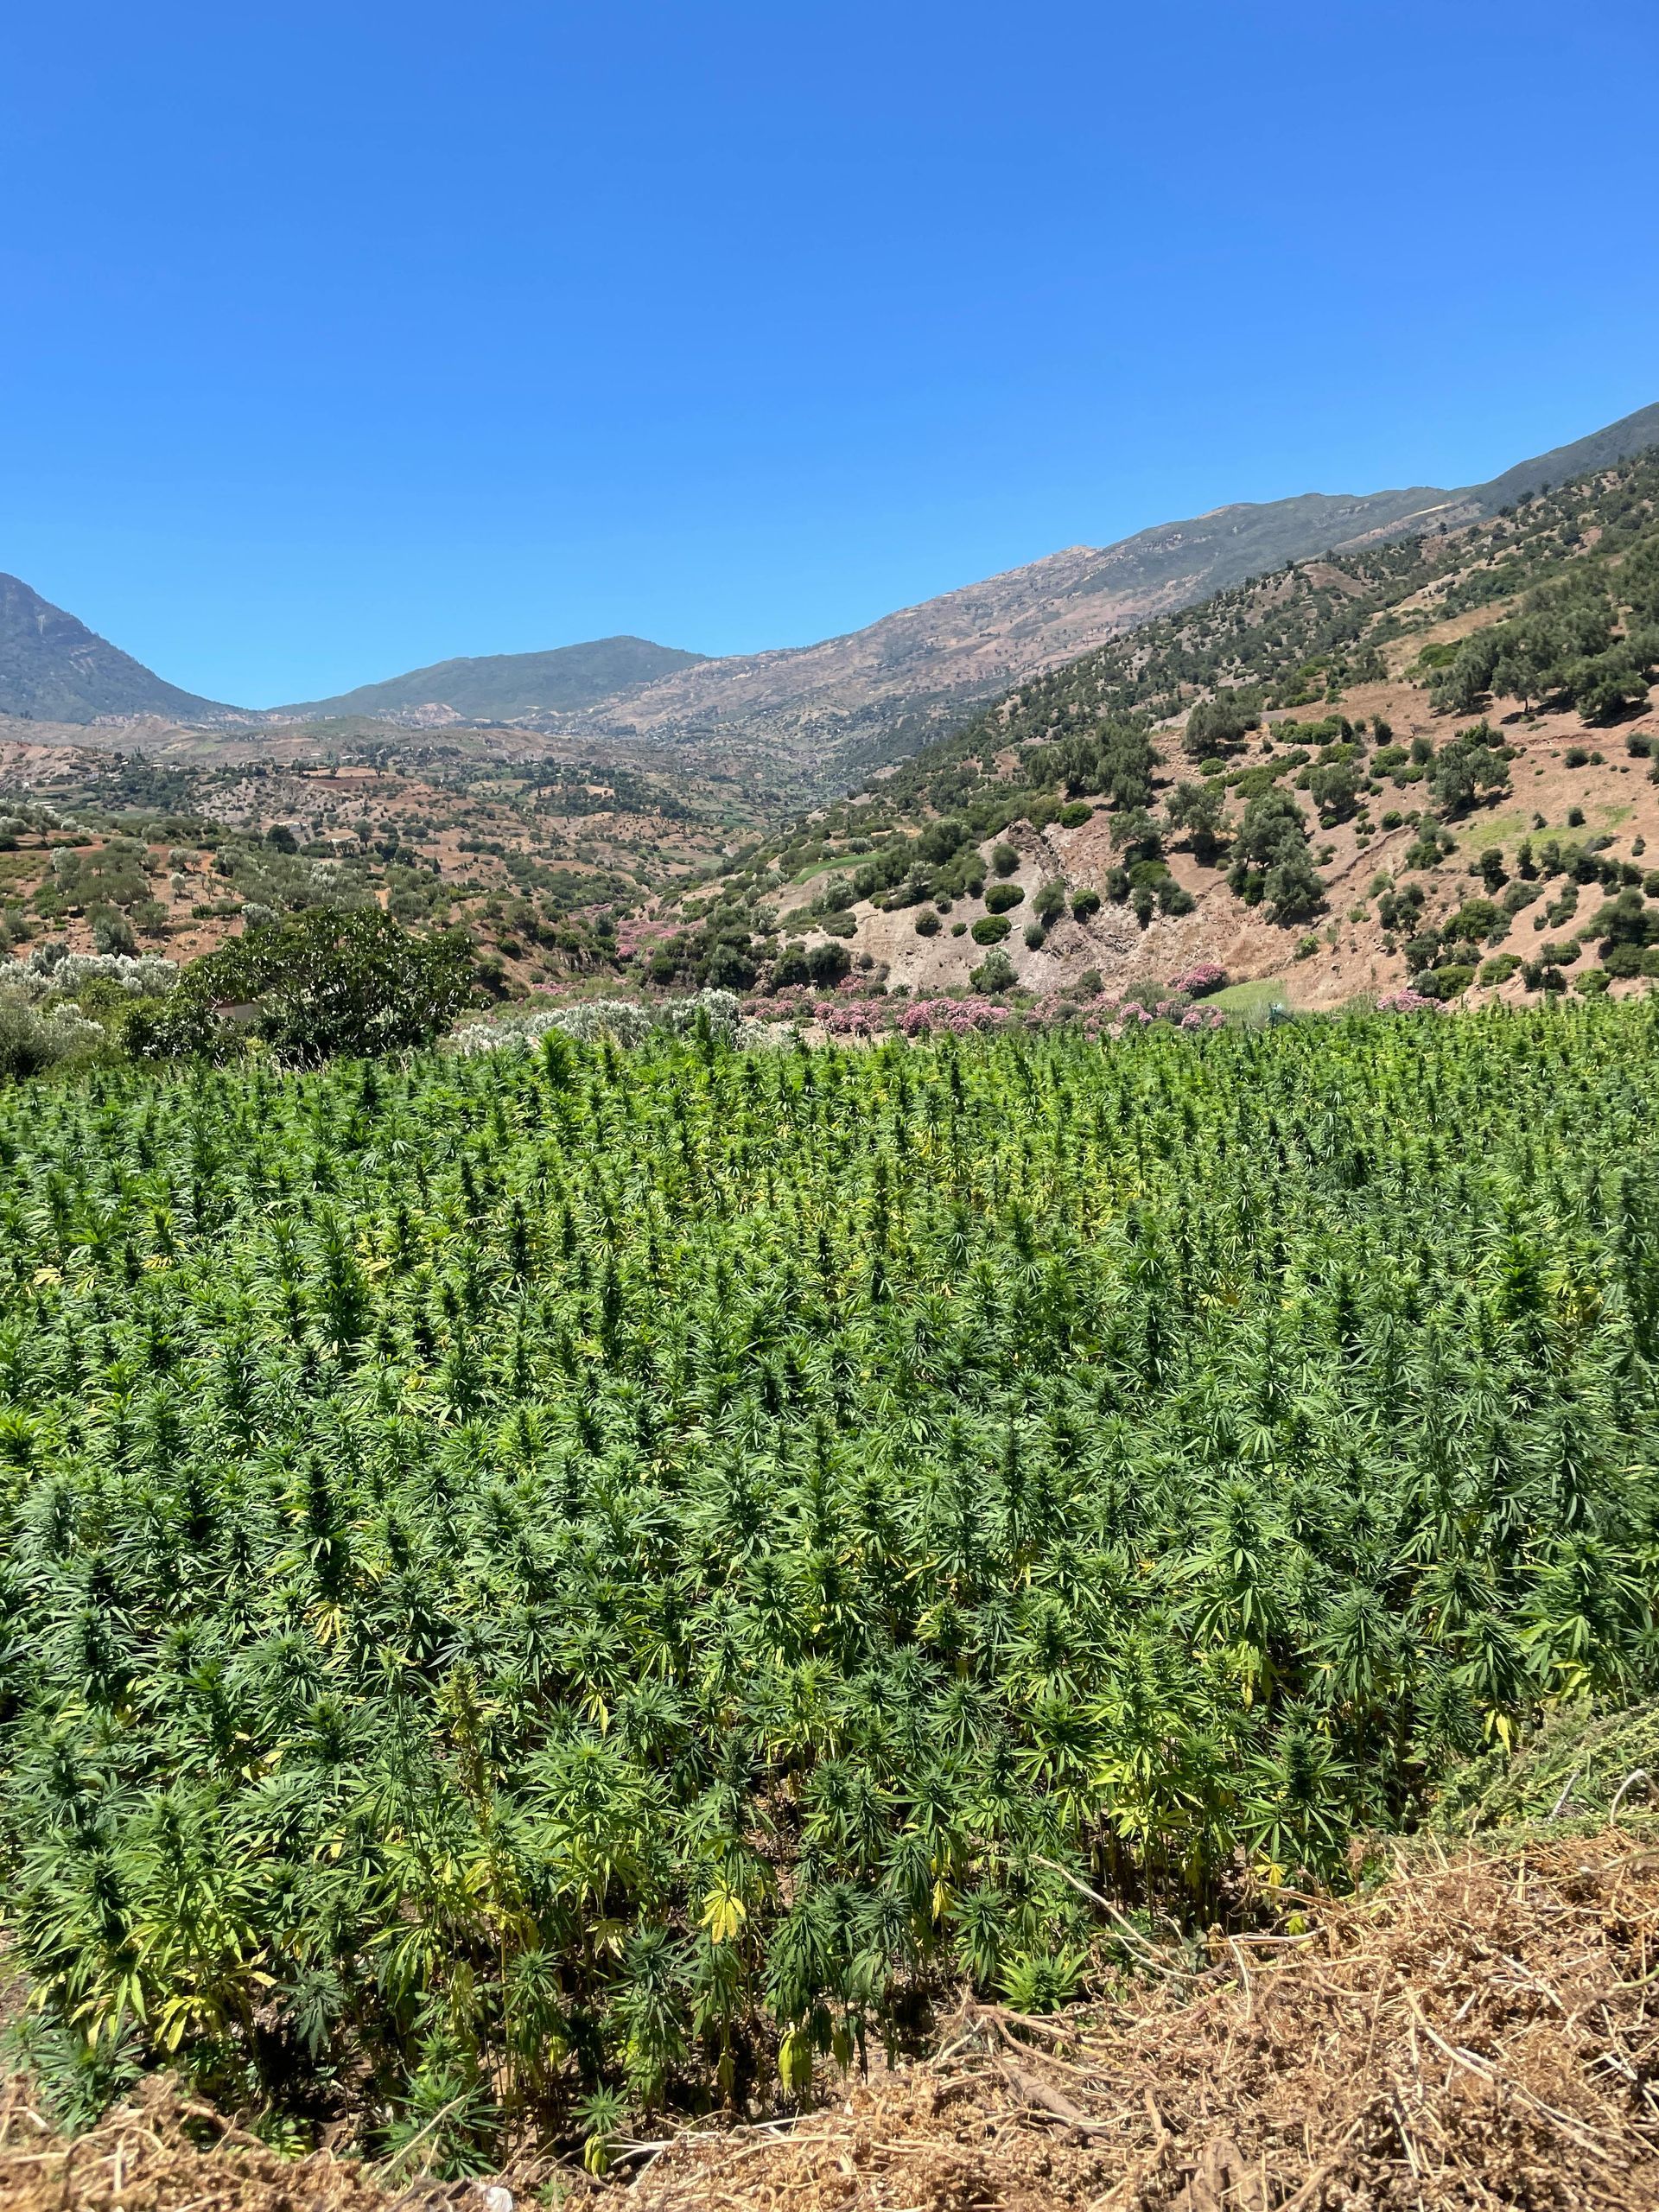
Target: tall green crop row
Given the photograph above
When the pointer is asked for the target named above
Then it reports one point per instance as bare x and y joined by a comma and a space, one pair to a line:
538, 1584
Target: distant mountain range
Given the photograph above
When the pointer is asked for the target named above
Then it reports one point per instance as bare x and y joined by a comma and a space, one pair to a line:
498, 687
841, 707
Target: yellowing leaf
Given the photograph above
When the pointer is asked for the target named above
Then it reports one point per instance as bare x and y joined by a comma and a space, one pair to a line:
724, 1914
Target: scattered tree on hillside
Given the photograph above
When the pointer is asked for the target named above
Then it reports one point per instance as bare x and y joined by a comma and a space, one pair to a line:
1271, 867
1200, 809
1561, 646
1334, 788
1473, 766
1218, 726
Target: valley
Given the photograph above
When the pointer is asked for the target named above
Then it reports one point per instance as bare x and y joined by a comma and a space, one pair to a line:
634, 845
675, 1456
828, 1038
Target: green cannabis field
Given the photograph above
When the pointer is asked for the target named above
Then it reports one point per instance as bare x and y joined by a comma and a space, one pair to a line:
547, 1584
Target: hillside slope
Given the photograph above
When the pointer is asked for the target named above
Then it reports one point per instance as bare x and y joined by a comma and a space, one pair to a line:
823, 715
53, 668
850, 703
565, 680
1296, 780
818, 717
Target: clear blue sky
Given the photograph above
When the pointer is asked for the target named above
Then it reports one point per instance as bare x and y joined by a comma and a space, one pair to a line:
340, 338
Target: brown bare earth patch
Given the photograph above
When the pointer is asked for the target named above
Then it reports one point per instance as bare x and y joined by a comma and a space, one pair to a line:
1478, 2031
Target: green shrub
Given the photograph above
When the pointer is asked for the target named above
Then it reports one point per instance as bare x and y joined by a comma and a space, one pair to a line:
35, 1038
834, 896
927, 923
1218, 725
1473, 766
1270, 860
1074, 815
827, 963
1084, 904
1474, 919
991, 929
1002, 897
327, 982
1200, 809
995, 973
112, 931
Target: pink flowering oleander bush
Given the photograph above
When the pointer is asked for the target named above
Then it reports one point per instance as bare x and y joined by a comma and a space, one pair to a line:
953, 1017
794, 1002
1198, 982
1406, 1002
851, 1017
1053, 1007
634, 935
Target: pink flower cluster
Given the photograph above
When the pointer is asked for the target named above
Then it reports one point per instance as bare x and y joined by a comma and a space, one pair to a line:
853, 1017
1406, 1002
876, 1017
633, 935
1199, 981
957, 1017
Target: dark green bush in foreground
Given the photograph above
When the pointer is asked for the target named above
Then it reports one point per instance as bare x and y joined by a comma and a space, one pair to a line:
533, 1580
331, 980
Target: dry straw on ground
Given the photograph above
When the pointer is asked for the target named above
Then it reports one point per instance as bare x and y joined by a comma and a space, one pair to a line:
166, 2152
1481, 2031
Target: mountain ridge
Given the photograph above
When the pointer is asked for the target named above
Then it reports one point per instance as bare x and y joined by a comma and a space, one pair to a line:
476, 687
844, 705
53, 668
841, 706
